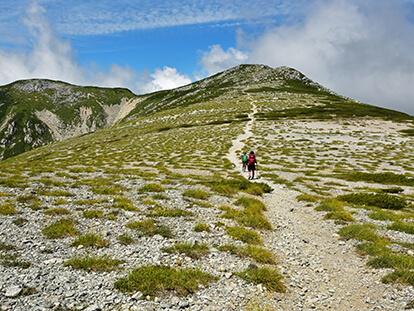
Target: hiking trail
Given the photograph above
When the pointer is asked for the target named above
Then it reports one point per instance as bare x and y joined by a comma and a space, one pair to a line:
321, 272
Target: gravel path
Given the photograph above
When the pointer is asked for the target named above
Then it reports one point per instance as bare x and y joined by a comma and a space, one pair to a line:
321, 271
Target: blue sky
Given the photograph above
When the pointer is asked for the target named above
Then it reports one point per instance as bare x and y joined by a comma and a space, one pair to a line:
363, 49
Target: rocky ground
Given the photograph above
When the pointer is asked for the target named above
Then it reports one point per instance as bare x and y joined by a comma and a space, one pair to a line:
321, 271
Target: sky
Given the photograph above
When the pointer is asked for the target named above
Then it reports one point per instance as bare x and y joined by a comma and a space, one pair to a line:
363, 49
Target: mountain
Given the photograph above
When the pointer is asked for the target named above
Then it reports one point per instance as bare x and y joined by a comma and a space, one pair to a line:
38, 112
153, 211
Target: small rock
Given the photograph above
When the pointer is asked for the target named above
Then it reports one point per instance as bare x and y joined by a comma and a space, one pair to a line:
13, 291
137, 296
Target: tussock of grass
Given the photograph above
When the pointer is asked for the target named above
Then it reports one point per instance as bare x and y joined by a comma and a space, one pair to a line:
57, 211
330, 205
151, 188
56, 193
196, 194
154, 280
200, 227
387, 178
360, 232
256, 253
61, 228
385, 215
195, 251
7, 209
250, 216
176, 212
270, 278
307, 198
381, 200
90, 240
401, 226
126, 239
93, 214
10, 260
341, 215
96, 264
245, 235
150, 228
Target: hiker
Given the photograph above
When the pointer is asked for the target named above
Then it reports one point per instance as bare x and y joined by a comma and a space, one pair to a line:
244, 161
251, 164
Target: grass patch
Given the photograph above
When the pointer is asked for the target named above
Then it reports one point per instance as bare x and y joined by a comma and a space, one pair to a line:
90, 240
360, 232
196, 194
57, 211
93, 214
95, 264
176, 212
61, 228
402, 227
151, 188
330, 205
381, 200
387, 178
255, 252
200, 227
155, 280
307, 198
7, 209
126, 239
270, 278
245, 235
195, 251
340, 215
250, 216
150, 228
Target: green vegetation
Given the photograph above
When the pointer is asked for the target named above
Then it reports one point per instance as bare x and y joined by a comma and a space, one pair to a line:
176, 212
150, 228
200, 227
245, 235
7, 209
151, 188
250, 216
256, 253
94, 264
57, 211
381, 200
90, 240
126, 239
270, 278
335, 210
61, 228
386, 178
93, 214
154, 280
195, 251
196, 194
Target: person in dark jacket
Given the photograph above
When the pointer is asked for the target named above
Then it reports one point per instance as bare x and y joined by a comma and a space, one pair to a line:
251, 164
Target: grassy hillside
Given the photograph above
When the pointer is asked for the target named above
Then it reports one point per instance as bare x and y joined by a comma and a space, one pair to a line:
142, 191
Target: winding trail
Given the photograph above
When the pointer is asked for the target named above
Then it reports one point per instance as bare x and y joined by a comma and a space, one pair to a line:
321, 272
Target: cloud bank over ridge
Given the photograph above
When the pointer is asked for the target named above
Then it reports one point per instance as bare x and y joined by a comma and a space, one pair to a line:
361, 49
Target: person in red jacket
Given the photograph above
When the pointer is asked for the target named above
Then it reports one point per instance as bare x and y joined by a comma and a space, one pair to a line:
251, 164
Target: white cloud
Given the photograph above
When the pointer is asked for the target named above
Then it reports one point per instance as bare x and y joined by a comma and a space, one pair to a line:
51, 57
217, 59
362, 49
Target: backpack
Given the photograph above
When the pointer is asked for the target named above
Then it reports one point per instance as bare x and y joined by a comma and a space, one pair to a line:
252, 159
244, 157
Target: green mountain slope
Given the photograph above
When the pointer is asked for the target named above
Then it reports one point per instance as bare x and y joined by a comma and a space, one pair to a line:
160, 188
38, 112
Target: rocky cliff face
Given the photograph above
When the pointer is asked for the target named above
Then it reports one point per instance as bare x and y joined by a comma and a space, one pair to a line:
38, 112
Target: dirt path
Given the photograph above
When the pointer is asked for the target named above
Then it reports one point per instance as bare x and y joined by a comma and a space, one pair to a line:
321, 271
